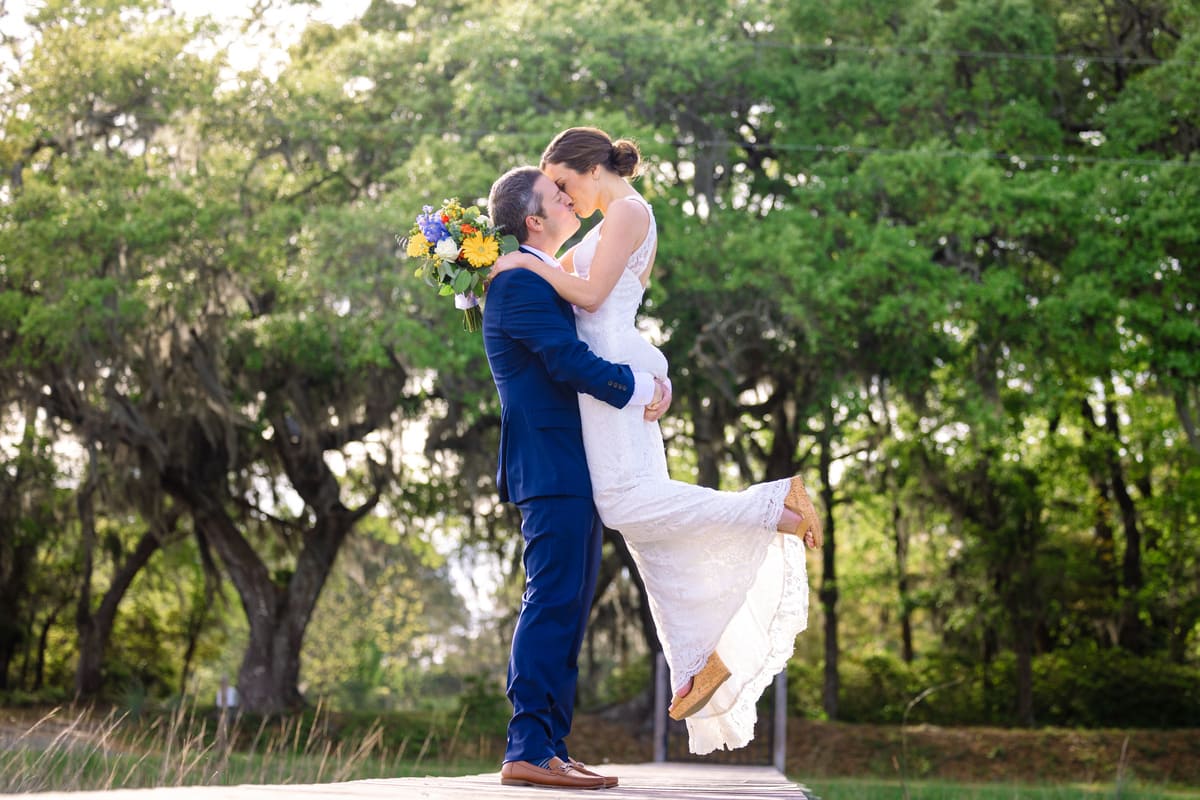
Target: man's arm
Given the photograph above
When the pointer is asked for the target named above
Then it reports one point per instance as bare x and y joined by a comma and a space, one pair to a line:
531, 317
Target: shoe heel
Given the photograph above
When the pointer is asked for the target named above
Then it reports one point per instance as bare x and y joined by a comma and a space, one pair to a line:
704, 686
798, 502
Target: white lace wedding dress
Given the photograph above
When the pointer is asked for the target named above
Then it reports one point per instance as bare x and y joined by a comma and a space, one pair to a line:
717, 573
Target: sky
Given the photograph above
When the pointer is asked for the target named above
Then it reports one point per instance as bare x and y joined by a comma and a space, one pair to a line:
284, 24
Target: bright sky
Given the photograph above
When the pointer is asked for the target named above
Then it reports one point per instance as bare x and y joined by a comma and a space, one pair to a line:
285, 22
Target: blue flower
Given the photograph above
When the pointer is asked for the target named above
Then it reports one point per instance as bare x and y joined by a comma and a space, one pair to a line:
431, 225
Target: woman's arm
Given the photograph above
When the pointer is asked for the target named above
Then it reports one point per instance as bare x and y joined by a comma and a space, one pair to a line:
624, 229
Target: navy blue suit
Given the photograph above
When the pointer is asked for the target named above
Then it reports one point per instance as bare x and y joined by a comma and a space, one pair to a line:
539, 365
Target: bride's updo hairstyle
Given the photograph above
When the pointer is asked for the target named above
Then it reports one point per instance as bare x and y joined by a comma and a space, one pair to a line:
583, 148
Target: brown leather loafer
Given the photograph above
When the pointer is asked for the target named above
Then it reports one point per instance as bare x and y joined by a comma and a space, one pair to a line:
609, 780
558, 774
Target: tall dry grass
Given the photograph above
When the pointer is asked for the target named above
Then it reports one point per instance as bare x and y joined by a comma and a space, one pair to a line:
77, 750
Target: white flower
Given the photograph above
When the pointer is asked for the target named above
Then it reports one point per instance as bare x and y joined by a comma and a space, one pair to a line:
483, 221
446, 249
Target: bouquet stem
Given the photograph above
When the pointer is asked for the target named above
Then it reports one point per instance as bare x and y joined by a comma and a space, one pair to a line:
472, 313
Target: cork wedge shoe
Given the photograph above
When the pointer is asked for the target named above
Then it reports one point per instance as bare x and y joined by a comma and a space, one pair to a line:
704, 686
801, 504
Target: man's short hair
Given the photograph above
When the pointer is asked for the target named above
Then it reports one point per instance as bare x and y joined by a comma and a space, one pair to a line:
513, 198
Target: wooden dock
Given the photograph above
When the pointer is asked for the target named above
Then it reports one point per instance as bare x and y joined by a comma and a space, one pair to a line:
662, 781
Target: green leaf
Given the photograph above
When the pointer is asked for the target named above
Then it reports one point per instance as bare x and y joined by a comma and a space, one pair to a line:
462, 281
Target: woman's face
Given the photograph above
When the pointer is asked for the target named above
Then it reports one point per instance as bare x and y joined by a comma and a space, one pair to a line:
581, 186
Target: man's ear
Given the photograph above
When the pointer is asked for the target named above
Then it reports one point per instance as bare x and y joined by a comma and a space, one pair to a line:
534, 222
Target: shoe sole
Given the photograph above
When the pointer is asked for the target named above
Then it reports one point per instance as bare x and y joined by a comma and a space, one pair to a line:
519, 782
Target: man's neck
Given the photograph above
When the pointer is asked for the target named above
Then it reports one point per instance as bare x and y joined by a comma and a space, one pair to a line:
548, 247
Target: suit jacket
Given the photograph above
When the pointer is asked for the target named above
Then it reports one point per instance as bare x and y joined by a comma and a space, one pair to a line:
539, 365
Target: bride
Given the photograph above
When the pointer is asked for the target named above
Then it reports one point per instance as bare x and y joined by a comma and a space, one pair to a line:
727, 593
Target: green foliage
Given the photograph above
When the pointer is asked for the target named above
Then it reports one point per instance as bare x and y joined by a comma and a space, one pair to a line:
1076, 687
484, 703
625, 682
1089, 687
951, 246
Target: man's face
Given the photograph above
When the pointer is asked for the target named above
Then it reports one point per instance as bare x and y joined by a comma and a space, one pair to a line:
560, 220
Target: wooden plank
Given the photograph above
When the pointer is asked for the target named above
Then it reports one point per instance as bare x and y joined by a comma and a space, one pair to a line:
673, 780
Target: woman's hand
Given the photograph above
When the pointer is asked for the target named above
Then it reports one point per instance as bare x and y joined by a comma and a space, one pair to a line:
514, 260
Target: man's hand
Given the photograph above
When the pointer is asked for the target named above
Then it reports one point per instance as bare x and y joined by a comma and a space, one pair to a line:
661, 402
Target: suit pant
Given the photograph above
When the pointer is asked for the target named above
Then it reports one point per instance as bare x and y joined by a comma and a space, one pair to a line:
562, 560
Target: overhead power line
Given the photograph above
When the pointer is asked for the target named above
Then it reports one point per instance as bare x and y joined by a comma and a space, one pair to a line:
992, 55
540, 139
1052, 158
913, 50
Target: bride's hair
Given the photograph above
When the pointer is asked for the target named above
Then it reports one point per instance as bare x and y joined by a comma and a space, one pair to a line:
583, 148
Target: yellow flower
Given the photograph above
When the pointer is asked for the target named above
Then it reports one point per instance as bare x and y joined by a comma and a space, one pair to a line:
480, 251
418, 245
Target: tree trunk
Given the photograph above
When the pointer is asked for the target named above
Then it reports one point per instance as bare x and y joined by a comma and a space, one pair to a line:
12, 633
709, 441
88, 677
269, 677
194, 627
990, 645
278, 614
96, 630
18, 550
1132, 630
829, 588
901, 537
39, 667
1184, 411
8, 647
14, 590
1106, 549
1024, 652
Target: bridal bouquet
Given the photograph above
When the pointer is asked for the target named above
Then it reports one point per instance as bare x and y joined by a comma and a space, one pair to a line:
456, 247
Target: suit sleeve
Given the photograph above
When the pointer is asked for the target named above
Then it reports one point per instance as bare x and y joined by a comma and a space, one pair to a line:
530, 318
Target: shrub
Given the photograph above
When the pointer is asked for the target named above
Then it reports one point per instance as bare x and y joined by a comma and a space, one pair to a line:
1094, 687
1085, 686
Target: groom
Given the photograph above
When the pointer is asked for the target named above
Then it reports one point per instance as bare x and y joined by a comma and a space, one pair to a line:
539, 364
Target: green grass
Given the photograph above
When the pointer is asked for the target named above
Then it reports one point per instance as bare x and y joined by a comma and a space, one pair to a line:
855, 789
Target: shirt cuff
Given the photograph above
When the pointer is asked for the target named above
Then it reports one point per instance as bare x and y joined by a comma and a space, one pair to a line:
643, 389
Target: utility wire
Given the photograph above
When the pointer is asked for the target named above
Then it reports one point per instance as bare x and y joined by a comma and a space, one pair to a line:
991, 55
938, 52
313, 126
888, 151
